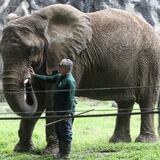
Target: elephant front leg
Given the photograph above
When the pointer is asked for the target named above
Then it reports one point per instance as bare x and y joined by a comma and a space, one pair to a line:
25, 135
147, 131
51, 136
122, 128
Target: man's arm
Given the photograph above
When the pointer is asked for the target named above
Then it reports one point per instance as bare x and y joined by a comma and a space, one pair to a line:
50, 78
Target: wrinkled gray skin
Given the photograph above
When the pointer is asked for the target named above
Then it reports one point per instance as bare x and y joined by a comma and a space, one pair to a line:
1, 66
111, 47
158, 102
158, 116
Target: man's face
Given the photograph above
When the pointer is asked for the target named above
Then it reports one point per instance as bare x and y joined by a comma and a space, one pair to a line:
63, 70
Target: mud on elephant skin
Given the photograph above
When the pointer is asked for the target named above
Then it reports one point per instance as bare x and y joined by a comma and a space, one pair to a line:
112, 47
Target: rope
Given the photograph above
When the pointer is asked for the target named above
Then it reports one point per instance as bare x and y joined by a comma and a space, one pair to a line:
90, 89
62, 119
77, 90
81, 116
97, 110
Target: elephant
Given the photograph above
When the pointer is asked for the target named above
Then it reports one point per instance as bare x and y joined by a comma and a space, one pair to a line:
111, 48
1, 67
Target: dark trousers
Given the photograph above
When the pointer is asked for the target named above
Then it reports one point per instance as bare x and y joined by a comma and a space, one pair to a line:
64, 129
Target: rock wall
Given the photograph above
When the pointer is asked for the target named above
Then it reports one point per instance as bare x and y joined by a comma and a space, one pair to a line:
148, 9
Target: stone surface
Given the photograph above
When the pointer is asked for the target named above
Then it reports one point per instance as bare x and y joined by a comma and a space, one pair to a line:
148, 9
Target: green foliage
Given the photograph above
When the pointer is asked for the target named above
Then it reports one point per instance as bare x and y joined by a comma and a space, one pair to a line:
90, 138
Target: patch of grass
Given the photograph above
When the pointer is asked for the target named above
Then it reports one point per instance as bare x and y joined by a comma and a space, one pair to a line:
90, 138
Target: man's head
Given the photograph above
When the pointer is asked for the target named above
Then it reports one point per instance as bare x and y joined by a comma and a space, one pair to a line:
65, 66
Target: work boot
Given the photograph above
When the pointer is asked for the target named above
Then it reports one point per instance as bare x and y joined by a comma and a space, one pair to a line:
66, 148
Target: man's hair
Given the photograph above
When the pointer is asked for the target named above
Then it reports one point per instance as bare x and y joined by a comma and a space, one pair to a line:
66, 63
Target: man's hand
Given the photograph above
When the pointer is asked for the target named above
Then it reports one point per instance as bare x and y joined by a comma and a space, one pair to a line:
66, 116
31, 71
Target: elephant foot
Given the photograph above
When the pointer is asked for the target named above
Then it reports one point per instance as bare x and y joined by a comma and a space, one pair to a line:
50, 149
23, 147
116, 138
146, 138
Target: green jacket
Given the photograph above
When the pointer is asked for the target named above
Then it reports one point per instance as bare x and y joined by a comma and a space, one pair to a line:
64, 94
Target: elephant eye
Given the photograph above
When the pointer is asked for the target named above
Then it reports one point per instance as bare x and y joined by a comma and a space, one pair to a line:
32, 51
33, 55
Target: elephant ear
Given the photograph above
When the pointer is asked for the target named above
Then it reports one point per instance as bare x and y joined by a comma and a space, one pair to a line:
68, 31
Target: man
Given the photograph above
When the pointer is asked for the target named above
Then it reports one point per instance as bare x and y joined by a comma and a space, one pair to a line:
64, 100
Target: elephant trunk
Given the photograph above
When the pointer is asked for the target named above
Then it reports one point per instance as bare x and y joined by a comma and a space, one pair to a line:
22, 103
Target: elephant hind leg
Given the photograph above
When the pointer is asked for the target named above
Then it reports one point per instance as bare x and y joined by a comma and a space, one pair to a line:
122, 128
147, 130
159, 116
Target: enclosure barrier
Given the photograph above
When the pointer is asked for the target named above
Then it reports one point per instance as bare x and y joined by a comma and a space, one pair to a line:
82, 112
85, 89
80, 116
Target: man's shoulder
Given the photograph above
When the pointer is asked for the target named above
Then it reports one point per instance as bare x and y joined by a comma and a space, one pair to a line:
70, 79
